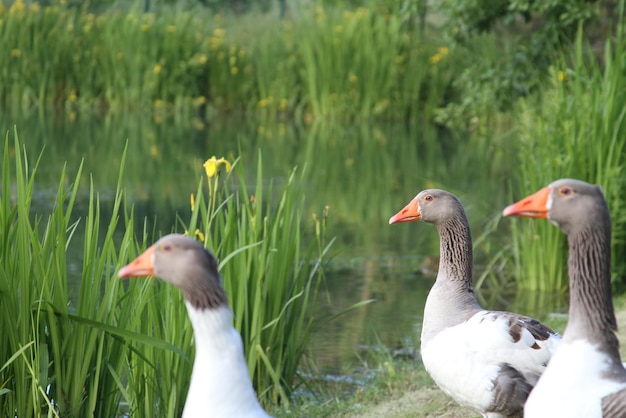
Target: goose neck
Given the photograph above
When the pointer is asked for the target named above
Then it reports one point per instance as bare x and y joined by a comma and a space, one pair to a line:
591, 314
455, 252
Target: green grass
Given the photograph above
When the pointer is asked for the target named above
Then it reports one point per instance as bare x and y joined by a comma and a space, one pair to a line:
110, 346
319, 63
576, 128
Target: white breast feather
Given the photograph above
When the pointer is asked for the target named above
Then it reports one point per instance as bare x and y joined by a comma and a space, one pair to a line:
220, 384
573, 386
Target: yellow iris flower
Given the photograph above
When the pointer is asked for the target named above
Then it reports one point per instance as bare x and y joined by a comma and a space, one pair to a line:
212, 165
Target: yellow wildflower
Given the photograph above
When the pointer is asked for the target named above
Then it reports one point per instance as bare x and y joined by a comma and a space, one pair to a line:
145, 27
158, 103
441, 53
34, 7
192, 200
353, 78
1, 8
15, 53
17, 7
154, 152
203, 59
215, 43
338, 28
171, 29
283, 104
212, 165
232, 61
157, 69
73, 96
219, 33
234, 71
72, 116
362, 12
561, 76
119, 55
198, 124
200, 100
198, 234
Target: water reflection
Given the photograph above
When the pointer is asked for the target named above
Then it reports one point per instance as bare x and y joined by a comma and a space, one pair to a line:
364, 172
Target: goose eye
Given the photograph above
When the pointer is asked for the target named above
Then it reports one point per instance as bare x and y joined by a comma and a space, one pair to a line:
565, 191
166, 247
428, 198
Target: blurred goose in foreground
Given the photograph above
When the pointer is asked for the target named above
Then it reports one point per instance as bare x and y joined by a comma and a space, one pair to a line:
486, 360
586, 377
220, 385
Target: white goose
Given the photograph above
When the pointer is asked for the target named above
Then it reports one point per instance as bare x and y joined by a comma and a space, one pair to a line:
585, 378
220, 385
486, 360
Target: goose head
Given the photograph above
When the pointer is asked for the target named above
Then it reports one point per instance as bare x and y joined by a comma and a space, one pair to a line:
184, 263
431, 205
567, 203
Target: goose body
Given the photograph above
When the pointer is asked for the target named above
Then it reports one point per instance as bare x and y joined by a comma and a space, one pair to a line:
220, 384
486, 360
586, 377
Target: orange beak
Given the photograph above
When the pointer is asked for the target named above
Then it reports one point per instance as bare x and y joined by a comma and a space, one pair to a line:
140, 267
410, 213
533, 206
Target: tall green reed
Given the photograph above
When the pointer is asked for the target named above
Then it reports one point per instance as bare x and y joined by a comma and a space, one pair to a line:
109, 346
363, 63
577, 128
368, 63
62, 369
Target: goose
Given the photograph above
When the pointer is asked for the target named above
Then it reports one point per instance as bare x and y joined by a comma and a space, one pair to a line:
220, 384
585, 378
485, 360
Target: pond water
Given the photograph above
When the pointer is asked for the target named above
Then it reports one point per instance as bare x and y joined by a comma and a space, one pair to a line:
365, 173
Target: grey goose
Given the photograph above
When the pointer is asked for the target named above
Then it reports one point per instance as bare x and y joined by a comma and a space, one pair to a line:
220, 384
586, 377
486, 360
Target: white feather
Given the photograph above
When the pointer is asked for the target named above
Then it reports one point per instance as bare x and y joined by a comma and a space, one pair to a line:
465, 359
220, 384
574, 384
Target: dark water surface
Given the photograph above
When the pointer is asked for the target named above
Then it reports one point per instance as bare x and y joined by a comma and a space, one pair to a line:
365, 173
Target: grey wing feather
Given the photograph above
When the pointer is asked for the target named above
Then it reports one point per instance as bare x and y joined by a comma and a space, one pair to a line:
614, 405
